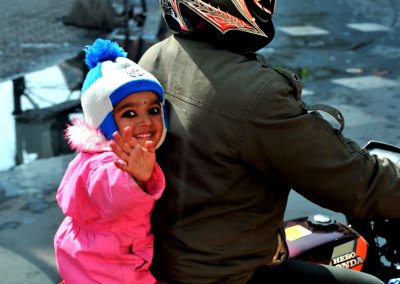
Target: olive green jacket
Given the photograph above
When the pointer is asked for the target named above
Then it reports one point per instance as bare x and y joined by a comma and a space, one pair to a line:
239, 139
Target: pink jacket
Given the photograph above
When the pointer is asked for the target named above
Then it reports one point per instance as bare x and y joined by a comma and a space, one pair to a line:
106, 235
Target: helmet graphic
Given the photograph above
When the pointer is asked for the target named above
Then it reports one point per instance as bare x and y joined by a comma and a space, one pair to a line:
240, 25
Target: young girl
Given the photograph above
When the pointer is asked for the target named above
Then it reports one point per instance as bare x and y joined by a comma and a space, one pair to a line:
110, 187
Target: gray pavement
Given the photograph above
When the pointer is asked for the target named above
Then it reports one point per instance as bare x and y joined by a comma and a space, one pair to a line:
29, 220
356, 70
34, 37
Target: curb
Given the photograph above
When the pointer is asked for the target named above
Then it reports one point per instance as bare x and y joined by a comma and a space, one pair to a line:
16, 270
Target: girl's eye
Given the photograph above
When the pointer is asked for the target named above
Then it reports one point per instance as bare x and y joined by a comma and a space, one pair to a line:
155, 110
129, 113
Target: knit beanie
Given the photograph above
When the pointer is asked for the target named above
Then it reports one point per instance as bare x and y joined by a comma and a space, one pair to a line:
111, 78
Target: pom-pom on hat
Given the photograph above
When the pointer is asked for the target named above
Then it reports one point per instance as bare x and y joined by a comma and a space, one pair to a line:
112, 77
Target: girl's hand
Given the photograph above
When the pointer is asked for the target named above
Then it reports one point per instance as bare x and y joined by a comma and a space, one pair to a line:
137, 161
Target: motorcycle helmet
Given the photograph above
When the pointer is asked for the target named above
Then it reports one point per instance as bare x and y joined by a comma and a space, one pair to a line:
238, 25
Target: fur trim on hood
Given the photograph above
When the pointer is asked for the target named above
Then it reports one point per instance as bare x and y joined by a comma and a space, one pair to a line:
84, 137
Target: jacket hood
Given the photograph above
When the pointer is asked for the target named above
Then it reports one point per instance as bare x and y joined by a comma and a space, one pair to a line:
83, 137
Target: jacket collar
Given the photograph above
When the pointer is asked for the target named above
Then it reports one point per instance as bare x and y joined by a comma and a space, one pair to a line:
83, 137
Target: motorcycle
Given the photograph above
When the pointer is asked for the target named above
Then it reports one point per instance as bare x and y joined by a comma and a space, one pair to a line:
371, 246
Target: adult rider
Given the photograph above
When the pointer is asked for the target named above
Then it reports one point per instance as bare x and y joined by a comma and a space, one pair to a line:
240, 138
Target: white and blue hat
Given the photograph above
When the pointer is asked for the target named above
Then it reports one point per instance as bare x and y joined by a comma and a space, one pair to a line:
112, 77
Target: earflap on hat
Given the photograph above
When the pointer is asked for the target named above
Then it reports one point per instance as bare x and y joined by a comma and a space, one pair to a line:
111, 78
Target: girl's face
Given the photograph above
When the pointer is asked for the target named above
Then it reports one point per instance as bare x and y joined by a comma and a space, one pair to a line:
142, 112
